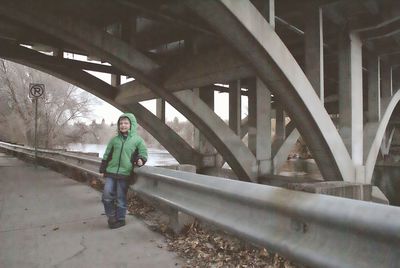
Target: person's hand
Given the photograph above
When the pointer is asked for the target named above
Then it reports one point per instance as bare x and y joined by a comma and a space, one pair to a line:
140, 162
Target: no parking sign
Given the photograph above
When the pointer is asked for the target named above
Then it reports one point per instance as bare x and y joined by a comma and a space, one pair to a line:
36, 90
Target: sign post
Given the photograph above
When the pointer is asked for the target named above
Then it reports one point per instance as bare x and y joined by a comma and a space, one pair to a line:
35, 92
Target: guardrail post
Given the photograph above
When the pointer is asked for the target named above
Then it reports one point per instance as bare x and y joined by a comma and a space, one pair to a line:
177, 219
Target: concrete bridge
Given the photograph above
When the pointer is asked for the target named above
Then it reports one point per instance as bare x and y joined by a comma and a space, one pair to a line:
329, 65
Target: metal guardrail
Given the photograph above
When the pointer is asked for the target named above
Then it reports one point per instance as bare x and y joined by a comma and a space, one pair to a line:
86, 164
312, 229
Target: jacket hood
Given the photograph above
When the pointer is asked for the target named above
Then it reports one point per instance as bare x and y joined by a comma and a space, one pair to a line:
131, 118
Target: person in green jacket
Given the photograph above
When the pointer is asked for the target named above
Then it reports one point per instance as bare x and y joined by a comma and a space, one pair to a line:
123, 152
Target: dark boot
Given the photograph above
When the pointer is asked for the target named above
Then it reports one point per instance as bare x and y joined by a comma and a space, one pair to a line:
118, 224
111, 222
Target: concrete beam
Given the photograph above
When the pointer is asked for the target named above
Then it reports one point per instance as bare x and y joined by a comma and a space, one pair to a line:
76, 64
390, 29
216, 66
350, 94
378, 25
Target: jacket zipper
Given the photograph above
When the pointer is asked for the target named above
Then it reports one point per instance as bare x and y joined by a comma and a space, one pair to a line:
120, 153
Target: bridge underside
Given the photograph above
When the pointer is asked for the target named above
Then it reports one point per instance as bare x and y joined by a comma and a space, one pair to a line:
331, 66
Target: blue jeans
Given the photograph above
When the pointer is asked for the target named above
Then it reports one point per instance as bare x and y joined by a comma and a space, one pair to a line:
114, 198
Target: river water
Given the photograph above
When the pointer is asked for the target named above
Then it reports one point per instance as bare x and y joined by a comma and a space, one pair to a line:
157, 157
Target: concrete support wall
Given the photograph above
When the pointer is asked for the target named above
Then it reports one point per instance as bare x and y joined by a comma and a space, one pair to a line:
235, 106
314, 50
260, 125
350, 95
160, 109
374, 89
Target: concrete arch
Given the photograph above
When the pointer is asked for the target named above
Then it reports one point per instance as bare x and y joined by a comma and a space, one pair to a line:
176, 145
244, 28
131, 61
373, 136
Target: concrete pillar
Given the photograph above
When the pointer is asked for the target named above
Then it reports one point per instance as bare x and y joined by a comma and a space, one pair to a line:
118, 30
160, 109
235, 106
374, 89
280, 123
351, 95
314, 49
115, 80
267, 10
386, 84
395, 78
260, 125
200, 141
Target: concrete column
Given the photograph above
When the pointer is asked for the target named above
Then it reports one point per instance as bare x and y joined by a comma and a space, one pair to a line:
280, 123
374, 89
260, 125
200, 141
160, 109
267, 9
115, 80
351, 95
386, 84
314, 49
235, 106
396, 80
116, 30
271, 13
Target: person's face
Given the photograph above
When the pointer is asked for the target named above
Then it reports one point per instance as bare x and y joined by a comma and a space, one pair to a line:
124, 125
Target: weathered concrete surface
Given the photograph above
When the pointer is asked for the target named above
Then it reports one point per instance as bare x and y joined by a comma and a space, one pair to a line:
48, 220
337, 188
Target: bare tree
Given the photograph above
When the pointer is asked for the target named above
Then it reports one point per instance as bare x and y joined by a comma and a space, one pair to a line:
61, 105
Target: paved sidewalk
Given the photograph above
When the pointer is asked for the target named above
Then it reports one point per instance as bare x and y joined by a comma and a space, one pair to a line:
49, 220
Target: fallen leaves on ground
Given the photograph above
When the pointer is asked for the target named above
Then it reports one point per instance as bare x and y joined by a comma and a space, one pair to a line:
201, 246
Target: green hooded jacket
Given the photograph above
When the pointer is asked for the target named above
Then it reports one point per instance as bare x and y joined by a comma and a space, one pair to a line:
123, 152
